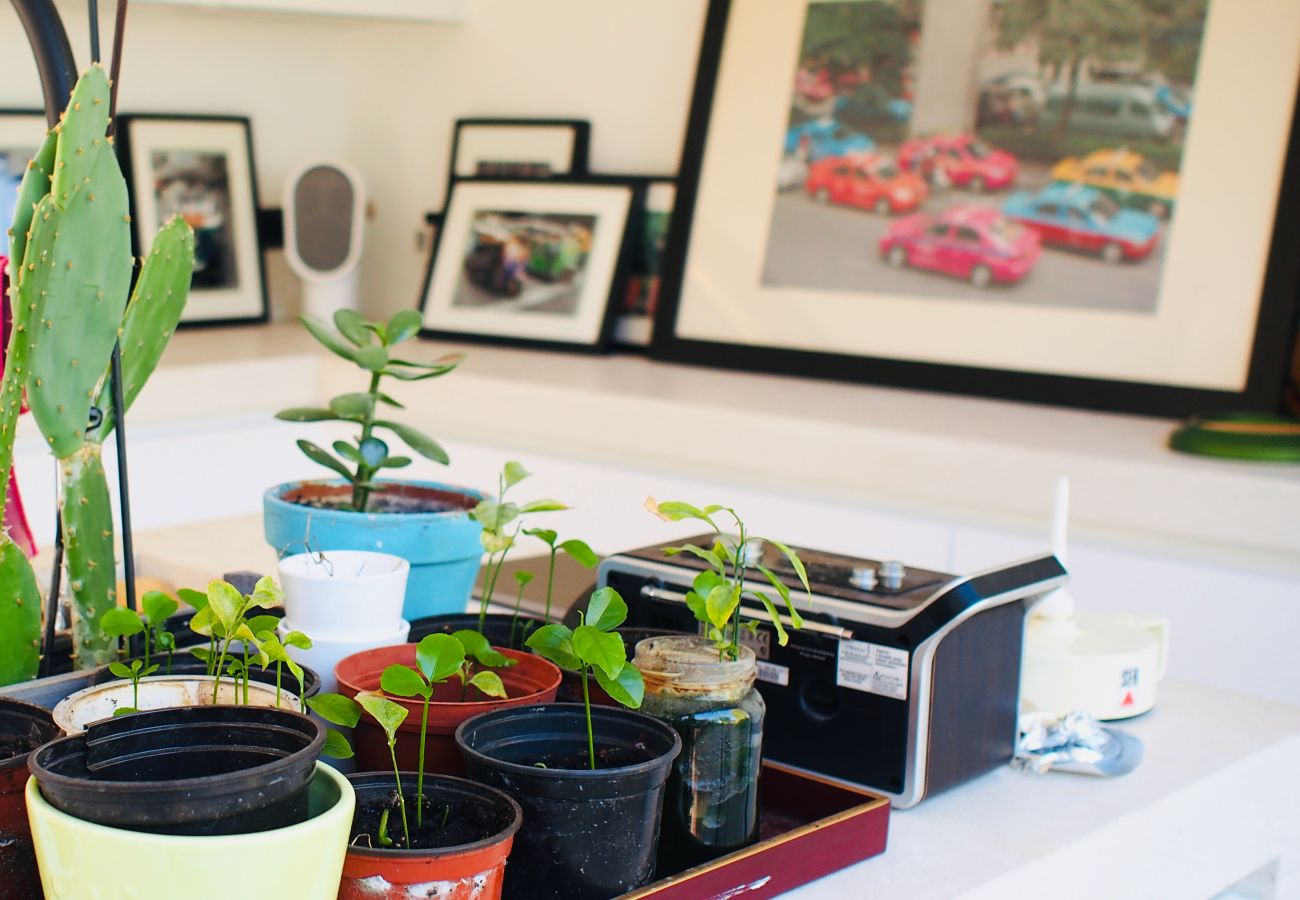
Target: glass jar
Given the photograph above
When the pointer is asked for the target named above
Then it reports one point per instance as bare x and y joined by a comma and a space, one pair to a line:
711, 803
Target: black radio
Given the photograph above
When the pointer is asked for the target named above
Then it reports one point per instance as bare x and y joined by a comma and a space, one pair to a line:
902, 680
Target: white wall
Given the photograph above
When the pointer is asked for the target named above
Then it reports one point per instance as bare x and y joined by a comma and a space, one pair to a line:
383, 95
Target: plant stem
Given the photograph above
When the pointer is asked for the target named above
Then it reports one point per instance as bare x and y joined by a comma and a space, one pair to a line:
361, 495
135, 691
419, 777
586, 703
169, 660
278, 666
146, 648
245, 673
401, 798
221, 664
738, 569
550, 587
495, 562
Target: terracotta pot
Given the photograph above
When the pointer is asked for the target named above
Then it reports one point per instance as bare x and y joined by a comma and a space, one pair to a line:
530, 681
23, 727
470, 867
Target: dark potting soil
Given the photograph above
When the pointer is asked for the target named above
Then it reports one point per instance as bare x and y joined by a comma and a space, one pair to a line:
20, 745
392, 498
447, 823
606, 758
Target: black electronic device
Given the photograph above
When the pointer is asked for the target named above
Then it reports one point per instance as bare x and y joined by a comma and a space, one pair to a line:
902, 680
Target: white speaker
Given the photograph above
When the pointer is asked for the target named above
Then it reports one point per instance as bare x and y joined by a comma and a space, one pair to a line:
324, 212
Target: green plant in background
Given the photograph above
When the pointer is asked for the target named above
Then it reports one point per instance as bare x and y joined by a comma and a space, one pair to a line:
134, 672
277, 652
717, 591
594, 648
522, 579
390, 717
369, 346
439, 657
337, 710
575, 549
496, 516
70, 271
151, 621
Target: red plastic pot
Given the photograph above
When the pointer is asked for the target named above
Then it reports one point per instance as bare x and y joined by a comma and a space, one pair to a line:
530, 681
470, 868
23, 727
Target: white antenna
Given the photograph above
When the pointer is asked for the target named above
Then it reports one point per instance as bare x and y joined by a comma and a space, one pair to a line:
1059, 604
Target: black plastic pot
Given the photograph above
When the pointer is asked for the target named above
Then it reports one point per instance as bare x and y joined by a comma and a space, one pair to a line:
23, 728
571, 687
587, 834
207, 770
497, 627
184, 664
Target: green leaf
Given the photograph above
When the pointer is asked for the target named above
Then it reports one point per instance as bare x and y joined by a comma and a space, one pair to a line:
708, 556
545, 535
514, 472
348, 452
795, 619
225, 603
124, 711
721, 602
120, 622
404, 682
331, 343
372, 358
336, 745
404, 325
543, 506
489, 683
477, 646
274, 651
394, 462
418, 441
384, 398
404, 374
352, 326
676, 511
781, 636
373, 451
602, 649
523, 577
581, 553
158, 607
706, 582
698, 606
317, 455
388, 714
200, 653
297, 639
494, 542
605, 610
263, 625
149, 670
352, 406
135, 665
197, 600
628, 687
795, 562
266, 593
493, 515
165, 640
305, 414
555, 642
439, 656
336, 709
120, 670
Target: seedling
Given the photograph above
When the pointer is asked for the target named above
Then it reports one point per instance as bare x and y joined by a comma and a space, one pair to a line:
368, 345
151, 621
135, 672
277, 652
522, 578
594, 648
577, 550
717, 591
337, 710
497, 538
224, 620
390, 717
439, 657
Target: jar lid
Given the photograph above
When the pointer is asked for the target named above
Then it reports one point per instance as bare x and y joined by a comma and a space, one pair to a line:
686, 666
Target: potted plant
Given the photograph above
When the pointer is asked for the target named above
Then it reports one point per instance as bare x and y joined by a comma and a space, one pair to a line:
23, 728
139, 804
590, 780
427, 523
510, 677
704, 686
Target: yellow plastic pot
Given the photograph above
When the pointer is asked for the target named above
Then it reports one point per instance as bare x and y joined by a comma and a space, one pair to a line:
80, 860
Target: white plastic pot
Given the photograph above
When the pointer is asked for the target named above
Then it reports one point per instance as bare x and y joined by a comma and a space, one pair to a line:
75, 711
325, 653
344, 594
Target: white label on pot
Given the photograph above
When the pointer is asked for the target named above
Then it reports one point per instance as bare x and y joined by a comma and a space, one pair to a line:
773, 673
873, 668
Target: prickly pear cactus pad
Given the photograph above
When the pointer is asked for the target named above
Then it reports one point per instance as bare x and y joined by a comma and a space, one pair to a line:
88, 552
20, 615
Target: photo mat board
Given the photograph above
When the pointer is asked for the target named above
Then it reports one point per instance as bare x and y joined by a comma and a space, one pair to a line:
530, 262
21, 134
862, 198
201, 168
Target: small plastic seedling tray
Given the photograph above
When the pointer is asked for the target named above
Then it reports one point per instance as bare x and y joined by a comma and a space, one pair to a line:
808, 828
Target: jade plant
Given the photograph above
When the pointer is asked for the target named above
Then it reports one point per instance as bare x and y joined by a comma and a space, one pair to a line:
70, 272
439, 657
596, 650
150, 622
716, 594
370, 346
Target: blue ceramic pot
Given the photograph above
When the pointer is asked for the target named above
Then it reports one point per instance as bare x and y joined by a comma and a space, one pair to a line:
442, 547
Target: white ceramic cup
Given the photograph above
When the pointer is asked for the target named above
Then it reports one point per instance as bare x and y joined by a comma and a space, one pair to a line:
344, 594
326, 653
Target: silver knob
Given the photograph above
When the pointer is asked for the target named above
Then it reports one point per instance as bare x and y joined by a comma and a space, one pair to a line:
863, 578
891, 574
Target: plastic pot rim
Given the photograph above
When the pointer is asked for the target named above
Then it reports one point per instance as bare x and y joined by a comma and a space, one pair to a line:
288, 698
274, 496
403, 566
20, 760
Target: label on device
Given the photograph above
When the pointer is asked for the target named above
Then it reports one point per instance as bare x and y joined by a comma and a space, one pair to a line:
773, 673
873, 668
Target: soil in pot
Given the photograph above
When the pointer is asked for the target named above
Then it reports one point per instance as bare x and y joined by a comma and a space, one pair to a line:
395, 497
459, 852
587, 834
23, 728
530, 681
501, 629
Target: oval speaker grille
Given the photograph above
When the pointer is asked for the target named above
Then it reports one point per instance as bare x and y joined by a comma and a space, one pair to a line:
323, 217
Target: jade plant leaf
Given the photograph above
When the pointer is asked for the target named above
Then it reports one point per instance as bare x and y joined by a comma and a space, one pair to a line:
404, 325
418, 441
352, 406
317, 455
327, 340
350, 324
371, 357
305, 414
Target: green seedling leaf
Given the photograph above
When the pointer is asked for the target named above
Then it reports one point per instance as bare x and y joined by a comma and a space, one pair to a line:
305, 414
698, 606
158, 607
336, 745
709, 556
297, 639
274, 651
196, 600
336, 709
513, 473
148, 670
225, 603
403, 682
676, 511
403, 326
388, 714
165, 640
795, 562
124, 711
580, 553
418, 441
120, 670
555, 642
795, 619
203, 622
352, 406
317, 455
352, 326
264, 626
543, 506
439, 656
200, 653
489, 683
605, 610
120, 622
602, 649
266, 593
522, 578
781, 636
477, 646
327, 340
496, 543
628, 687
721, 602
494, 515
545, 535
373, 451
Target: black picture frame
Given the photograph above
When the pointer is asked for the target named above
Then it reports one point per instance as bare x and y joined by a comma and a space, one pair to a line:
578, 160
1266, 378
602, 341
127, 147
626, 323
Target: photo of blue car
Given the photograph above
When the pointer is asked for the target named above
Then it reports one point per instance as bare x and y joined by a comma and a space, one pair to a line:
820, 138
1082, 218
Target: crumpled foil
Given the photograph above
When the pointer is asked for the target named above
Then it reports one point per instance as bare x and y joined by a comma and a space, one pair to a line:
1074, 743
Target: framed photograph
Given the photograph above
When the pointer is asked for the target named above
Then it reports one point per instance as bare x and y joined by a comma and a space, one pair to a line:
530, 262
519, 148
976, 197
21, 135
639, 296
201, 168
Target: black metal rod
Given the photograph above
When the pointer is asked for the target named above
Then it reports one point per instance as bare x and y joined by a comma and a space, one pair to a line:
54, 59
52, 602
93, 10
123, 489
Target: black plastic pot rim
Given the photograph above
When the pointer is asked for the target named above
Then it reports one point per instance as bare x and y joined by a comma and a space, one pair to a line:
552, 709
386, 853
40, 712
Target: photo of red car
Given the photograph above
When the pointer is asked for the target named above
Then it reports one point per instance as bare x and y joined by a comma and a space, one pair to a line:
976, 243
960, 160
867, 180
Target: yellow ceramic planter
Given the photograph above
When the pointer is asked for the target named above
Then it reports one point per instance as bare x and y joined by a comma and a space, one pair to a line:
83, 861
